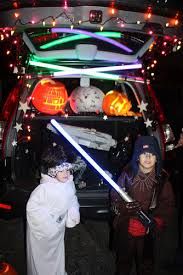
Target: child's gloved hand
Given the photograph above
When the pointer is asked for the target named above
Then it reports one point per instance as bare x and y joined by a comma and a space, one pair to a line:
133, 208
136, 228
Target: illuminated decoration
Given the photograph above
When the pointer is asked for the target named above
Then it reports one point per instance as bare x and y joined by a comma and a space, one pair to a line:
117, 104
104, 76
164, 31
43, 37
14, 143
49, 96
94, 35
86, 99
84, 71
73, 71
118, 17
148, 123
99, 69
144, 218
100, 54
90, 72
142, 106
23, 106
78, 37
115, 68
18, 127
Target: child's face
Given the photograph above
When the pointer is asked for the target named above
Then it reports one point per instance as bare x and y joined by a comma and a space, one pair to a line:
63, 176
147, 162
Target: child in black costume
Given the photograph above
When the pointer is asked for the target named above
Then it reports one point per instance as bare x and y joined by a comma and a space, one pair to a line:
147, 183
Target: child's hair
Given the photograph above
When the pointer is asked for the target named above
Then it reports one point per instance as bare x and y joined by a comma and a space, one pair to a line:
51, 157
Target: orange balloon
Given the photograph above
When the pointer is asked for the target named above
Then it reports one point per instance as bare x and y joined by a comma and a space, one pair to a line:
49, 96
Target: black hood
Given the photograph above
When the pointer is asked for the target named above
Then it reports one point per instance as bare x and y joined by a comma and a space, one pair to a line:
146, 144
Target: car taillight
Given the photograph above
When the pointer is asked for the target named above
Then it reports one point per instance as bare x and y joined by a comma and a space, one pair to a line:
157, 105
11, 101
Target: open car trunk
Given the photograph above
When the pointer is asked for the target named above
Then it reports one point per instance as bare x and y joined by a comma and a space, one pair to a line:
112, 159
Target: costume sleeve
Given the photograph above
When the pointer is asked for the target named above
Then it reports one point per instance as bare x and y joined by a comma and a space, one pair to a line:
39, 218
117, 203
165, 203
73, 214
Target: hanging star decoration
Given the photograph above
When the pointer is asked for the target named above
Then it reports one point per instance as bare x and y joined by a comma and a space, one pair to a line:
148, 123
105, 117
18, 126
23, 107
14, 143
32, 115
126, 138
142, 106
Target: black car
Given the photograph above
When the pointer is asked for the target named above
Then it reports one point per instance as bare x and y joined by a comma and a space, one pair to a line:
92, 83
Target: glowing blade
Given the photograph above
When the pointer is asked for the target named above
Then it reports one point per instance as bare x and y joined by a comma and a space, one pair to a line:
60, 129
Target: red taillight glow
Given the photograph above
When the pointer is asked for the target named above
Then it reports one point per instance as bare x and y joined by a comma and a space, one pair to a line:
11, 102
158, 108
5, 206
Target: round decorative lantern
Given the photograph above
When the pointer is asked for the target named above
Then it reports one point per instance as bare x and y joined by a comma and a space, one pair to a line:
49, 96
86, 99
116, 104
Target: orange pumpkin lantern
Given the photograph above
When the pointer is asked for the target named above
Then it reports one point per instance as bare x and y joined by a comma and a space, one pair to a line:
116, 104
49, 96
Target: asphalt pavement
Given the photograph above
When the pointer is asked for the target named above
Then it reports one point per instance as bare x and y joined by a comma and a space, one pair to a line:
87, 249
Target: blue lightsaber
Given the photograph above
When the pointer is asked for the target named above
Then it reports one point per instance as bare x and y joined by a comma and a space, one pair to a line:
144, 218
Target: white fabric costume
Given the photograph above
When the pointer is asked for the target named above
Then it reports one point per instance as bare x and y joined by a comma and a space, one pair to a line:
51, 206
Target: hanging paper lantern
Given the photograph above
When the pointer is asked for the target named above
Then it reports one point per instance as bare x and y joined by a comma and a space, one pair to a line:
86, 99
116, 104
49, 96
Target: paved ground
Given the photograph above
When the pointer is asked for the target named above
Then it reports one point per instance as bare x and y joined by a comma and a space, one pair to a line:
87, 251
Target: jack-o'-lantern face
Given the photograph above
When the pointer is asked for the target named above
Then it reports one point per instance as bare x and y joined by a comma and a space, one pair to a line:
116, 104
49, 96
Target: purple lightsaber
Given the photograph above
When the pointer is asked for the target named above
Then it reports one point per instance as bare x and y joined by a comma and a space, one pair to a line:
94, 35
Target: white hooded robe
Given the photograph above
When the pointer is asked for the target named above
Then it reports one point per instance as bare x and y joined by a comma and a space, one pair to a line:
52, 206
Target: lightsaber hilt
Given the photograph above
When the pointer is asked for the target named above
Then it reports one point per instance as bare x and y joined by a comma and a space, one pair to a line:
143, 217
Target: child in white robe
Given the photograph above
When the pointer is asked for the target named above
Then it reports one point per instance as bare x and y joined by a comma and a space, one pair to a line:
52, 206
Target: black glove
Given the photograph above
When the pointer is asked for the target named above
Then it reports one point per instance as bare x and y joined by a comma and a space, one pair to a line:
133, 208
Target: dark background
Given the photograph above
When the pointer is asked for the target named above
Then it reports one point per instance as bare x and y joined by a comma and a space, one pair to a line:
168, 85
